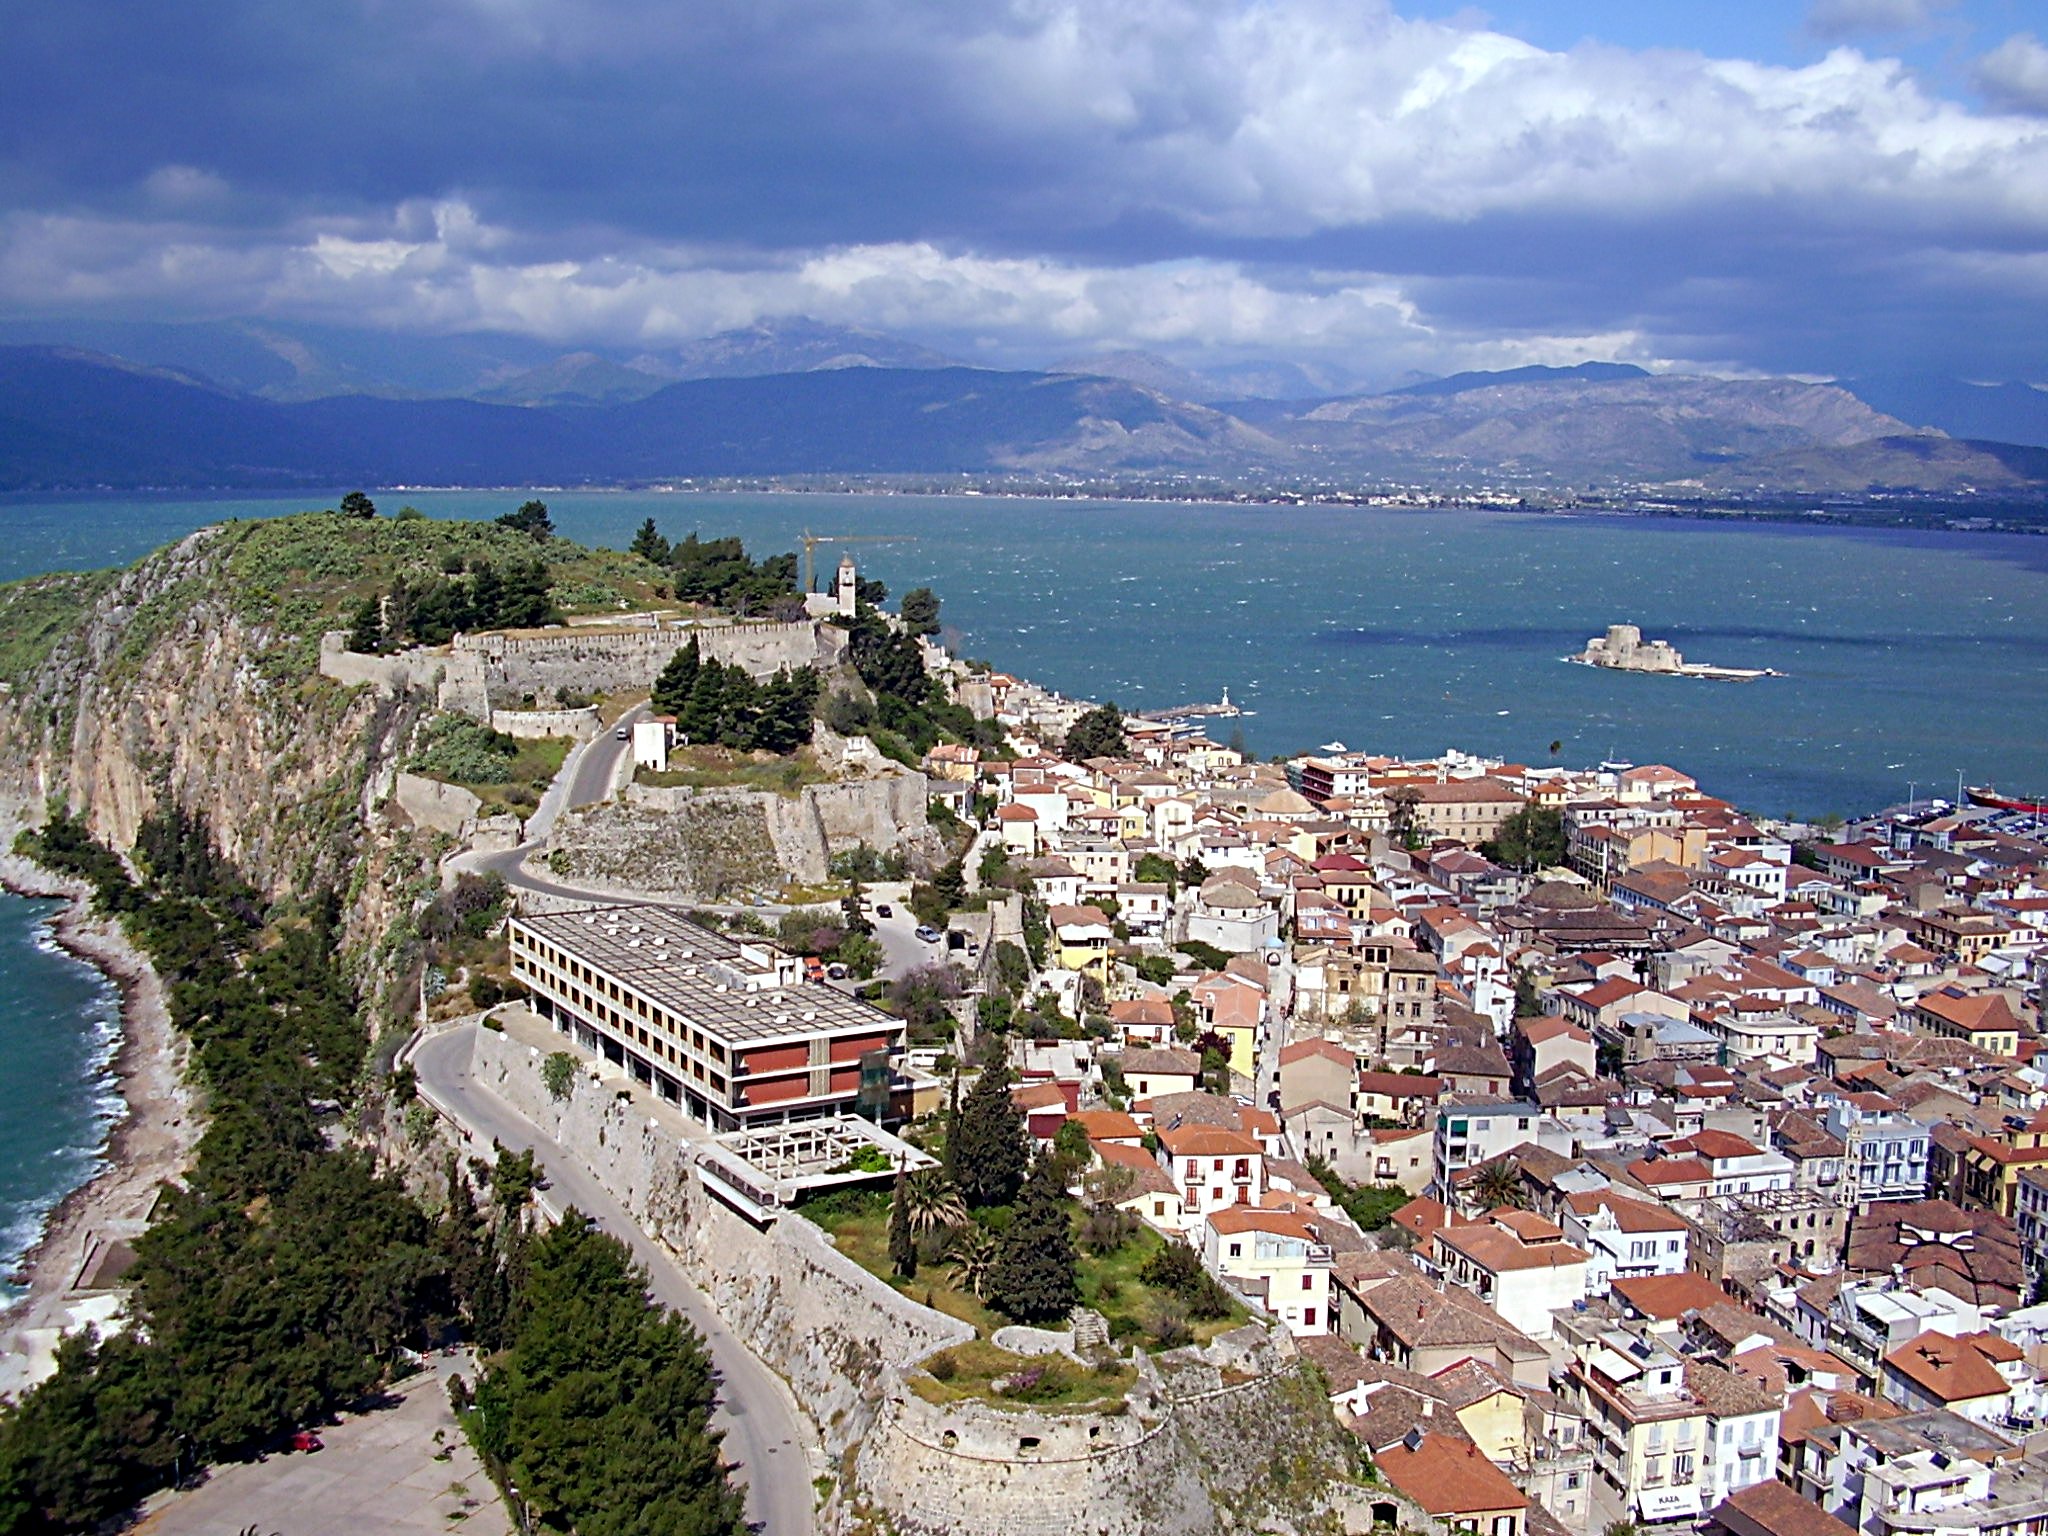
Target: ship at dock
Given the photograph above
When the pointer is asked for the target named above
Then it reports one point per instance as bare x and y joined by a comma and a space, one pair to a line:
1623, 649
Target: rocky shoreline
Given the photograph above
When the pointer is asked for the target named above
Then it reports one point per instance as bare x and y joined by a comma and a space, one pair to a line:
72, 1272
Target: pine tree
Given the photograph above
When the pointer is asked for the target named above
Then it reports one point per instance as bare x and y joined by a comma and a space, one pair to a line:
920, 611
987, 1151
366, 632
1034, 1279
356, 504
678, 679
902, 1242
649, 545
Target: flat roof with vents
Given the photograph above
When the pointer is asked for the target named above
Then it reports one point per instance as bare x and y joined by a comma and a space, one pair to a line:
719, 984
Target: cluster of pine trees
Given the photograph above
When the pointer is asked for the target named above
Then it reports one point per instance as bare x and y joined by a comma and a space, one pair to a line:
278, 1282
277, 1285
716, 705
720, 574
584, 1337
432, 609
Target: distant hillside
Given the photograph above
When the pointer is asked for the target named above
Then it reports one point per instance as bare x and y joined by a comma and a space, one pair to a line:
580, 378
1602, 423
76, 420
2003, 413
1917, 463
796, 345
1534, 373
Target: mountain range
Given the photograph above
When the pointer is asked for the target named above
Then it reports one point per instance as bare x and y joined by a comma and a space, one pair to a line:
811, 399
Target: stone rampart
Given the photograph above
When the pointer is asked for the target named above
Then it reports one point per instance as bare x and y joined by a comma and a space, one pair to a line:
827, 1326
683, 844
445, 808
546, 663
1238, 1438
532, 724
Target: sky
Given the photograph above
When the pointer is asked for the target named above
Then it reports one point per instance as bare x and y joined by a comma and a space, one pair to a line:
1840, 189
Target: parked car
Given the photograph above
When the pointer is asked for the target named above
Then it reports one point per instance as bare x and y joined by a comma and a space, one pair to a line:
928, 933
306, 1440
835, 972
885, 910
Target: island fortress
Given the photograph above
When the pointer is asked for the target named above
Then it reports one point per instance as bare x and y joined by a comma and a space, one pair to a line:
1624, 649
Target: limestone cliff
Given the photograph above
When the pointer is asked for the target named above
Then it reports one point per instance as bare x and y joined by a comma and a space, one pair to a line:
175, 686
193, 677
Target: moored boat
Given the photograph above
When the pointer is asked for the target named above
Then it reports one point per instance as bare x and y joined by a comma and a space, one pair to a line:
1984, 794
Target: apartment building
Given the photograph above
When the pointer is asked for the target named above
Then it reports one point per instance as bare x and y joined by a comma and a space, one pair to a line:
728, 1029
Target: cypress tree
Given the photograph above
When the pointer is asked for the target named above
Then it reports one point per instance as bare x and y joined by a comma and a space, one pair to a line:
987, 1151
902, 1242
1034, 1279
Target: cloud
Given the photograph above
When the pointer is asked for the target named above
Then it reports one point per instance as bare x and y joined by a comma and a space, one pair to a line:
1322, 177
2014, 75
1836, 19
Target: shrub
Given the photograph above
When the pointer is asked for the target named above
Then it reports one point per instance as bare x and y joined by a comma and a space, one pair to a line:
1040, 1382
942, 1366
558, 1075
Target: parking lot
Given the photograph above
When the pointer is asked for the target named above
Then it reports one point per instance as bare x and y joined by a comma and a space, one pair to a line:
402, 1468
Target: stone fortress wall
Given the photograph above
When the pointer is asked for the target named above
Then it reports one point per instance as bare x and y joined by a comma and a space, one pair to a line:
1239, 1438
682, 844
544, 663
500, 669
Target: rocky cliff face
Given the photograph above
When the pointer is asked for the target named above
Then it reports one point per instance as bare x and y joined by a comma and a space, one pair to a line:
178, 684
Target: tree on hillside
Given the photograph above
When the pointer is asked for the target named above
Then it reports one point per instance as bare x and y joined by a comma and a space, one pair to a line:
366, 628
356, 504
920, 611
987, 1150
649, 545
1532, 838
532, 520
902, 1241
1098, 733
1034, 1279
673, 687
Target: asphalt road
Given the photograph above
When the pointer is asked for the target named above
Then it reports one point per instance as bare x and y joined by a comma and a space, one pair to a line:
762, 1433
589, 775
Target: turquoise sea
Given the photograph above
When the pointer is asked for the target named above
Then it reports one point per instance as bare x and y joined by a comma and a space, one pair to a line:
1913, 660
62, 1028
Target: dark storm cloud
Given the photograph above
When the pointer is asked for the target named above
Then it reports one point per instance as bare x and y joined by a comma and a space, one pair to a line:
1305, 177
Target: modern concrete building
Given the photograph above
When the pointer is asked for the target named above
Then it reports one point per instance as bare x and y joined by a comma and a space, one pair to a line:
726, 1028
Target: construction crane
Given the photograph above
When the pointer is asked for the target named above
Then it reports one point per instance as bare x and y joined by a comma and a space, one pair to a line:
811, 541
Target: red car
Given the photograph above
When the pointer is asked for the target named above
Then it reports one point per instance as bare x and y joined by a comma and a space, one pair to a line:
306, 1440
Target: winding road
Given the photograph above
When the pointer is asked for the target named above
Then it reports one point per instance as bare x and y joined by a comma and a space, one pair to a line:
764, 1435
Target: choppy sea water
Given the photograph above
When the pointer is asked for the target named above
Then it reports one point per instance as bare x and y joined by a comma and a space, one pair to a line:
57, 1044
1912, 658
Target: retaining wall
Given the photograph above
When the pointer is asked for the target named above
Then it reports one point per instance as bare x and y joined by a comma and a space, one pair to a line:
826, 1325
1239, 1438
445, 808
532, 724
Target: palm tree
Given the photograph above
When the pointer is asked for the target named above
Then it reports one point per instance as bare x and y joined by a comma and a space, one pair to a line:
933, 1201
1499, 1183
972, 1259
